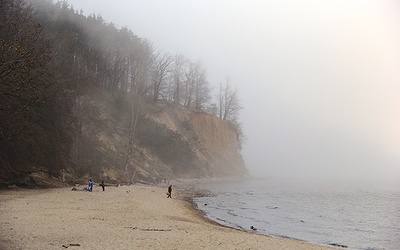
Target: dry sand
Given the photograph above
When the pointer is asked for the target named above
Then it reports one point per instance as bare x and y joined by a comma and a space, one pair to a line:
125, 217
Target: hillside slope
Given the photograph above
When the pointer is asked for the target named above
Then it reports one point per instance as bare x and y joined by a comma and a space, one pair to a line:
171, 142
211, 142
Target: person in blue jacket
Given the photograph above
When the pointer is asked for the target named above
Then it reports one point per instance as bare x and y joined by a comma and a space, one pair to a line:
90, 185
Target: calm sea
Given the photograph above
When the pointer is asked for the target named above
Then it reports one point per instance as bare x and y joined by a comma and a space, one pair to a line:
358, 217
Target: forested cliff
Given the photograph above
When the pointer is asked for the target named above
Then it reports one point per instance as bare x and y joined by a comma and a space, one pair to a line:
170, 142
82, 99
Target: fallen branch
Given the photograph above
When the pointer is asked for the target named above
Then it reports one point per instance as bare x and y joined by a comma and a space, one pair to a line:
155, 229
71, 245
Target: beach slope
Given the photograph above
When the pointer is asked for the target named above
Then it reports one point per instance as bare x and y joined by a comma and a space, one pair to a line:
125, 217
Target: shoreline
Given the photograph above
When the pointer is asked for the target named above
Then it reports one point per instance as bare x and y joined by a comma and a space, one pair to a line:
125, 217
203, 215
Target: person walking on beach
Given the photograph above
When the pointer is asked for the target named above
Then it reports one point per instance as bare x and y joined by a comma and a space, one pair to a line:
103, 186
90, 185
169, 191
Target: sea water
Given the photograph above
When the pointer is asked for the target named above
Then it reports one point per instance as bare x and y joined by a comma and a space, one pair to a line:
355, 217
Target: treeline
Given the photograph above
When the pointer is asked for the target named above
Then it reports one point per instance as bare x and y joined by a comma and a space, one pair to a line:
51, 56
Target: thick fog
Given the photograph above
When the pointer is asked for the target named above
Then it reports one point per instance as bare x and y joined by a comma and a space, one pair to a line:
319, 80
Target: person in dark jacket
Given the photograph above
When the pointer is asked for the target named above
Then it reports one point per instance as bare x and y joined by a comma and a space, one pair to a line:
169, 191
103, 186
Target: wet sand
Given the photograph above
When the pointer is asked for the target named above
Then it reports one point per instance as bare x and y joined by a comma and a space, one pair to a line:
125, 217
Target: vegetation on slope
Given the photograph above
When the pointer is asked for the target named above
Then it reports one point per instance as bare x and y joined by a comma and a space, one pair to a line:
78, 97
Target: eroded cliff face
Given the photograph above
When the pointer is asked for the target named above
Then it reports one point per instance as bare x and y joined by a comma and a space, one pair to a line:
170, 142
213, 142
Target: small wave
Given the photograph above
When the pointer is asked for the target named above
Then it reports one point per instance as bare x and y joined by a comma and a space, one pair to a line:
239, 227
248, 208
337, 245
364, 230
285, 237
272, 207
230, 213
219, 219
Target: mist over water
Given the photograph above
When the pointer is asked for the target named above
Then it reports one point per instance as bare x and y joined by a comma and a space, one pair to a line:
355, 216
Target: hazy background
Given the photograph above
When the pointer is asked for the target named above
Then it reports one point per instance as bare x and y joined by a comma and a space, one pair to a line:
319, 80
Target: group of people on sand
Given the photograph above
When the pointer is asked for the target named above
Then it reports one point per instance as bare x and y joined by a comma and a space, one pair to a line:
90, 187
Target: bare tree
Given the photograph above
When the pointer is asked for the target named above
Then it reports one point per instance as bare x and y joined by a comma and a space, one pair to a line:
35, 110
196, 91
177, 78
202, 91
229, 104
229, 108
188, 85
139, 88
24, 71
163, 67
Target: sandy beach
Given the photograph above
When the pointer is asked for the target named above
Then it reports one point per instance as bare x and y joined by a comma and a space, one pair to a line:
124, 217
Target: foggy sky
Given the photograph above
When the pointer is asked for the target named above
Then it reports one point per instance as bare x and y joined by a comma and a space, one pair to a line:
319, 80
